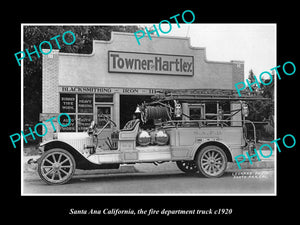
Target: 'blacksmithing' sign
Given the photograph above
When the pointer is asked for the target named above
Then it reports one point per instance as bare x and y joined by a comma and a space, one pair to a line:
148, 63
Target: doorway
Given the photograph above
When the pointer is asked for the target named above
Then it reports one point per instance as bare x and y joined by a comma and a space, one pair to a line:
103, 110
128, 105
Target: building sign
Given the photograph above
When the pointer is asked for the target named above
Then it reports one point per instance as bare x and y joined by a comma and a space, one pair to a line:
85, 89
106, 90
148, 63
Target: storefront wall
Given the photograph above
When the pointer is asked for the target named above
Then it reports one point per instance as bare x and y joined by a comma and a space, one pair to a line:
92, 70
85, 85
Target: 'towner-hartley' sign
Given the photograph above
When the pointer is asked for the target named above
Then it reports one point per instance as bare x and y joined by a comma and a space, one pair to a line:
150, 63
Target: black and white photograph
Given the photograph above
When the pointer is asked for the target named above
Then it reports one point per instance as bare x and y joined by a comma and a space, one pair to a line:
145, 109
178, 112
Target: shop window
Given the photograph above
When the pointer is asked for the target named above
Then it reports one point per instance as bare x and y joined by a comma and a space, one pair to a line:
71, 127
85, 103
102, 112
211, 107
67, 103
210, 111
196, 112
81, 109
103, 98
225, 107
84, 121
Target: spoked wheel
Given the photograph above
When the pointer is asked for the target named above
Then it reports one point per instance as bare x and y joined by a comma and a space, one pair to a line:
212, 161
56, 166
187, 166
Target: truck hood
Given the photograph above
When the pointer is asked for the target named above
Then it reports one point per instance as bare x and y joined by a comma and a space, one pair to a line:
76, 140
72, 136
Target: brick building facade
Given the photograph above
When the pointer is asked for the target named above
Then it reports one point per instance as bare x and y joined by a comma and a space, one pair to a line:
119, 74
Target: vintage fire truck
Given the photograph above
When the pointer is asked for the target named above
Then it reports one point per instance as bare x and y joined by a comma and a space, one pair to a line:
202, 146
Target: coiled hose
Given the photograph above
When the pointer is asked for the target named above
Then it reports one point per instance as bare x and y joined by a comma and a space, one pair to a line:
155, 112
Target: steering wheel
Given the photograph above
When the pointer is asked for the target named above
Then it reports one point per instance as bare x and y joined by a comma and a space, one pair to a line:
93, 130
107, 119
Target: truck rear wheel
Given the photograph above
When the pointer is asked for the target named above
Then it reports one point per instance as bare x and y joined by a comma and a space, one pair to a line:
211, 161
56, 166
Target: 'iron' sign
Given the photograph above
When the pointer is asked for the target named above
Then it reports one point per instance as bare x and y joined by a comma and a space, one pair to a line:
149, 63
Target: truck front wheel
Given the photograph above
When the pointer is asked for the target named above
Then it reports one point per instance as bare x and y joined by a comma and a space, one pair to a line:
211, 161
56, 166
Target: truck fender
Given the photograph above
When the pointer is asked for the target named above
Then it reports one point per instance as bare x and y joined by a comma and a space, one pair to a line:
220, 144
81, 162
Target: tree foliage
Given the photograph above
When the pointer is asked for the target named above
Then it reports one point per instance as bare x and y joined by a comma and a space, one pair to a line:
262, 110
34, 35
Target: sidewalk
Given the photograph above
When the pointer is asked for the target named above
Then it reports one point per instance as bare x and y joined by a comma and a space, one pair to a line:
266, 161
